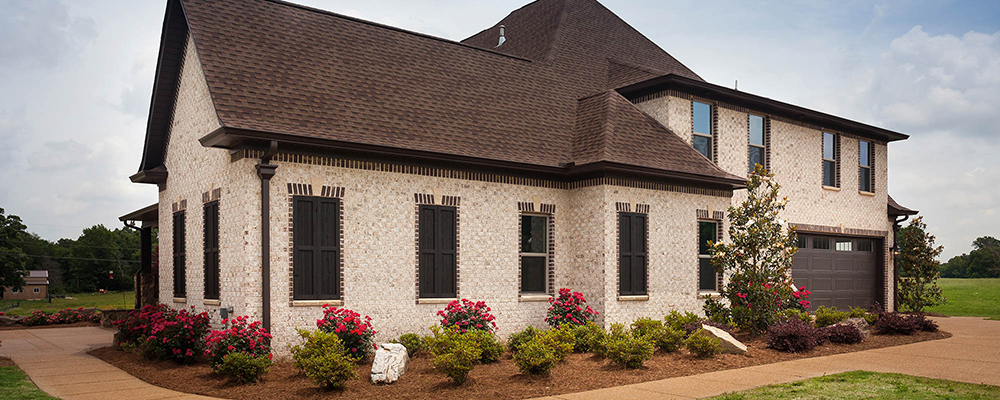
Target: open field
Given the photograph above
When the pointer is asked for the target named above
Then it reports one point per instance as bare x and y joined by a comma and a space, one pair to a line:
85, 300
868, 385
970, 297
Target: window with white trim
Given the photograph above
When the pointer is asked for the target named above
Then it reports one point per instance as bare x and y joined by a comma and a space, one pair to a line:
701, 115
755, 149
865, 166
830, 159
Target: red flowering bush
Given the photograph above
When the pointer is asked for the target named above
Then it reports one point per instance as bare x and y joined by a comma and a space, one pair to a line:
569, 308
799, 300
162, 332
66, 316
37, 317
356, 332
241, 337
466, 315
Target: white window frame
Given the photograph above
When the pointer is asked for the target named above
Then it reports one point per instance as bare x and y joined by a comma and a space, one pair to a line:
763, 139
711, 129
36, 290
866, 168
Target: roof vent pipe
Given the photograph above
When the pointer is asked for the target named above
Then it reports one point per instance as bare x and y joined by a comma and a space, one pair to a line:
502, 38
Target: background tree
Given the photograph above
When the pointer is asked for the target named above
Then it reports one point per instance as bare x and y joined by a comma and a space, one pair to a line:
918, 267
758, 255
12, 259
982, 262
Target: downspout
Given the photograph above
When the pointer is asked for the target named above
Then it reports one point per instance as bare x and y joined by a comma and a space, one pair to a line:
265, 170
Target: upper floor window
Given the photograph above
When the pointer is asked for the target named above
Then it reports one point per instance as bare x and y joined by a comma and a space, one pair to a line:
865, 166
831, 158
708, 278
632, 256
438, 246
315, 248
702, 125
757, 151
534, 253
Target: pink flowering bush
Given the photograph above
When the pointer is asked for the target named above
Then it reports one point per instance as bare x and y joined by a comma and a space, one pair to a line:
37, 317
240, 337
162, 332
354, 331
570, 308
466, 314
66, 316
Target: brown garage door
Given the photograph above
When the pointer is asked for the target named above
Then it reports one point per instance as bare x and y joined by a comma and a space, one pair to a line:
839, 271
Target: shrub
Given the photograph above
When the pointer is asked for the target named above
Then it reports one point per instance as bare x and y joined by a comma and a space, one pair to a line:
842, 334
717, 311
241, 337
454, 353
702, 344
792, 313
561, 340
162, 332
535, 357
924, 324
588, 337
73, 315
893, 323
37, 317
668, 339
918, 267
354, 331
243, 367
646, 326
413, 343
323, 359
518, 339
467, 315
489, 346
794, 336
677, 320
569, 308
828, 316
628, 350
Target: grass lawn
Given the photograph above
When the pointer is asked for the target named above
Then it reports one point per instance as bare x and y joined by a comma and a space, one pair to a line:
85, 300
868, 385
970, 297
14, 384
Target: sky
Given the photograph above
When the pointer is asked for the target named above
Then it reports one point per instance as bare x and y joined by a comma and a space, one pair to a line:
76, 78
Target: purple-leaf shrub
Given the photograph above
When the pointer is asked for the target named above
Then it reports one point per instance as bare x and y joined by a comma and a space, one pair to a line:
843, 334
793, 336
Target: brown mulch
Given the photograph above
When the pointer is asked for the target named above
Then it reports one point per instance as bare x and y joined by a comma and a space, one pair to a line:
6, 362
501, 380
73, 325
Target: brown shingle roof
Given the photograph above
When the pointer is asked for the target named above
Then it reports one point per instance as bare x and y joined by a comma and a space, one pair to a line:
281, 68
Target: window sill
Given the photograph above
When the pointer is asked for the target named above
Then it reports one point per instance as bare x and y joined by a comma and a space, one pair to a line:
831, 188
210, 302
317, 303
634, 298
534, 298
435, 301
864, 193
180, 300
712, 294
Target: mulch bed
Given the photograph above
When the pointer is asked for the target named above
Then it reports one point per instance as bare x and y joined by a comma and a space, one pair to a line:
73, 325
501, 380
6, 362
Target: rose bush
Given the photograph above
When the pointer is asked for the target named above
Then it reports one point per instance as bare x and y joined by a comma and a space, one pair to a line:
65, 316
162, 332
569, 308
466, 314
354, 331
241, 337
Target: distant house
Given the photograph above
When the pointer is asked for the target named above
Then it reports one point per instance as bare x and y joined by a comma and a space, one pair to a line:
36, 287
306, 158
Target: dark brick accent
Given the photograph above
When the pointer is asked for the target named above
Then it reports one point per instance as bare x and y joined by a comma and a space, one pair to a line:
836, 230
525, 206
623, 207
423, 198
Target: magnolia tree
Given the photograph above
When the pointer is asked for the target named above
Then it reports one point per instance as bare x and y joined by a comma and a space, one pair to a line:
918, 267
757, 258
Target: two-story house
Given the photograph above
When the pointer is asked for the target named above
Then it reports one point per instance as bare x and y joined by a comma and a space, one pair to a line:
306, 158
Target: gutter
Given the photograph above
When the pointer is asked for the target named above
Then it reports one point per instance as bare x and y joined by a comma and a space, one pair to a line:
265, 171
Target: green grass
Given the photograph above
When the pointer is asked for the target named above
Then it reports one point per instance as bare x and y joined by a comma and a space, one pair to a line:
970, 297
14, 384
868, 385
85, 300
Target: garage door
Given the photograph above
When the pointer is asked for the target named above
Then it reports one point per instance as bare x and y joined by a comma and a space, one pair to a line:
842, 272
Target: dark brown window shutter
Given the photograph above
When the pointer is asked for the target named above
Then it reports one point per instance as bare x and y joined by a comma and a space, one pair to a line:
438, 251
179, 260
316, 248
632, 254
211, 240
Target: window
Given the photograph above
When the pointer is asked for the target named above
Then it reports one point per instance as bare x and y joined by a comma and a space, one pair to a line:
707, 277
36, 290
211, 235
702, 124
438, 251
178, 238
844, 245
801, 241
830, 144
15, 291
821, 243
316, 248
756, 148
631, 254
865, 245
865, 166
534, 253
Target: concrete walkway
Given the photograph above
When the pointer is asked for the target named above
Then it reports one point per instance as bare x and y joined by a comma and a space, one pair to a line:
972, 355
56, 360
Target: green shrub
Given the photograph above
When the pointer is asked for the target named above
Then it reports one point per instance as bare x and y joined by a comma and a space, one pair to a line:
677, 320
323, 359
646, 326
561, 341
792, 313
828, 316
588, 337
518, 339
717, 311
667, 339
536, 357
858, 312
413, 343
630, 351
489, 346
455, 353
702, 344
242, 367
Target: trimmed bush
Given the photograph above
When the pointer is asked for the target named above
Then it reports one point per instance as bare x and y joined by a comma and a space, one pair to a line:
690, 328
668, 339
455, 353
628, 350
518, 339
491, 349
793, 336
413, 343
561, 341
241, 337
826, 316
354, 331
569, 308
894, 323
702, 345
466, 315
243, 367
677, 320
646, 326
323, 359
588, 337
843, 334
536, 357
792, 313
